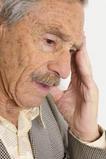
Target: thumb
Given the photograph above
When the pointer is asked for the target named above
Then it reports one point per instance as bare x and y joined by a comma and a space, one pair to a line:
56, 93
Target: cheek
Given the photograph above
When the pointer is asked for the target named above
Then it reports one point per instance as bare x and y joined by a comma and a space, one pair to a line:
30, 53
28, 95
18, 56
13, 55
26, 92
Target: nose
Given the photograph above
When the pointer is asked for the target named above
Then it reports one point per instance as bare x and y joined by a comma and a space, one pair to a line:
61, 65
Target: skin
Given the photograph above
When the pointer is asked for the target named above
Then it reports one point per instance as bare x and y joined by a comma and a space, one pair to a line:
25, 51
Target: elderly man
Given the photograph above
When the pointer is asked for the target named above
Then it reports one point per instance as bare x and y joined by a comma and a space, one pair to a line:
40, 42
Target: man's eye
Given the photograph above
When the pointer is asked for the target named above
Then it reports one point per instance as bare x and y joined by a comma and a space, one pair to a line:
50, 42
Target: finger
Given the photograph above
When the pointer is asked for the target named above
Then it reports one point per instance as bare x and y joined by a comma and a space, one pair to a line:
74, 72
73, 64
56, 93
83, 65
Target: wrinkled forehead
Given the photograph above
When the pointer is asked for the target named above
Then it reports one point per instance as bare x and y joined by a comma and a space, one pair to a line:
57, 10
13, 11
58, 15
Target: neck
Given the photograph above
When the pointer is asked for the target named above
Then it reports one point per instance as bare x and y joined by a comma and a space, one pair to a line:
8, 108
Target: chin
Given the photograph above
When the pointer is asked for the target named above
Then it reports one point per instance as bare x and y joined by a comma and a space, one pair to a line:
28, 95
29, 101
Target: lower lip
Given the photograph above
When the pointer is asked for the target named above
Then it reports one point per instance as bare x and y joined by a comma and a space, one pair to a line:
43, 86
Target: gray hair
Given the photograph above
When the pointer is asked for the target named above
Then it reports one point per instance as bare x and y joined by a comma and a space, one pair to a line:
13, 10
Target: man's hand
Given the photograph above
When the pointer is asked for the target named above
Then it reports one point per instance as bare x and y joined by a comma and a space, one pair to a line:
79, 103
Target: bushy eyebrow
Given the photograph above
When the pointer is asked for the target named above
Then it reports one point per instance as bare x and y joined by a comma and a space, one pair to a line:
58, 32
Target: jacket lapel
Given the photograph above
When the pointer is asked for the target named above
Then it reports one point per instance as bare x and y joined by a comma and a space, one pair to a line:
3, 152
46, 142
40, 142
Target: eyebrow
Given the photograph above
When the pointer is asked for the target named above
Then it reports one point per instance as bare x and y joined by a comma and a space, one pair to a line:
59, 33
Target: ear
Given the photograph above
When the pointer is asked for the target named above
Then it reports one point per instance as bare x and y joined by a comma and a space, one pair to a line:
2, 31
1, 20
2, 27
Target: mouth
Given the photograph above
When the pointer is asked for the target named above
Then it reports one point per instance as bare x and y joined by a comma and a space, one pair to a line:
43, 86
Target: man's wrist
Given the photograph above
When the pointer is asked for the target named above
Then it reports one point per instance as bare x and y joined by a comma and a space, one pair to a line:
89, 136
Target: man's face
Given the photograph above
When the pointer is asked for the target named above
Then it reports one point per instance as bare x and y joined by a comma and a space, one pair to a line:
37, 49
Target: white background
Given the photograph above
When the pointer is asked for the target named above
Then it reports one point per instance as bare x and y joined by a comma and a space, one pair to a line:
95, 29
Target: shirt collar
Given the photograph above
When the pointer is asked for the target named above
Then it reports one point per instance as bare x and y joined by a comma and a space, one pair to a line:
35, 112
25, 118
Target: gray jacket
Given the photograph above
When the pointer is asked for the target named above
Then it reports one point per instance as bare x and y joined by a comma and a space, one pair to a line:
54, 141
